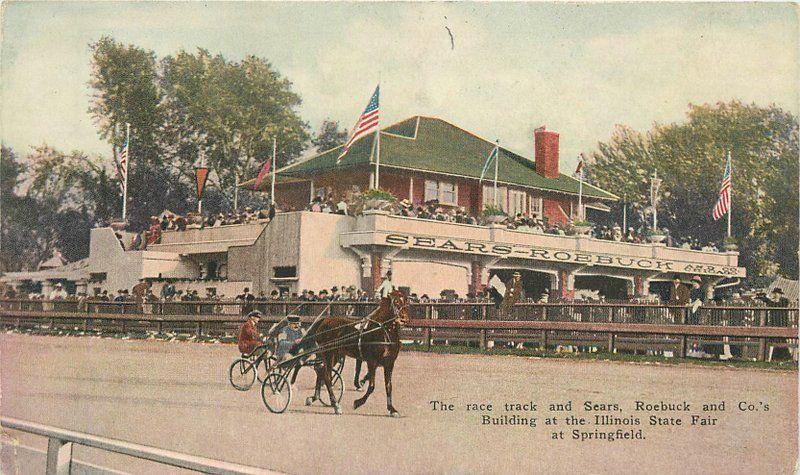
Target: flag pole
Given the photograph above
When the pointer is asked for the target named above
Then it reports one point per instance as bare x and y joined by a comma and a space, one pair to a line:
496, 166
730, 193
378, 143
624, 214
127, 160
236, 193
202, 165
580, 193
274, 170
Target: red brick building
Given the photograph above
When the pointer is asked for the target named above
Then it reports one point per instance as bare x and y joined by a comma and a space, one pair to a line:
425, 158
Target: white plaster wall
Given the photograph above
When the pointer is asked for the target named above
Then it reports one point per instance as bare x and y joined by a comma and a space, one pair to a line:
168, 265
323, 262
425, 277
123, 269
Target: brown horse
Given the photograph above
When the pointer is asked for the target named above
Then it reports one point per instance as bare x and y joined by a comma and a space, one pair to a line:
375, 339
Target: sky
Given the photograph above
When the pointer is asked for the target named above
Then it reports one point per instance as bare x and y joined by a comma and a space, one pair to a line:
579, 69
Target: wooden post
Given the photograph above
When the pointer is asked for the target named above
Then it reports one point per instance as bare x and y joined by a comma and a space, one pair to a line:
544, 340
611, 342
682, 352
199, 329
484, 332
160, 327
85, 324
428, 337
124, 325
762, 342
59, 457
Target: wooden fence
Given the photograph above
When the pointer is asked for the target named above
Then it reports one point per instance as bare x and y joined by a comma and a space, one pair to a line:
612, 327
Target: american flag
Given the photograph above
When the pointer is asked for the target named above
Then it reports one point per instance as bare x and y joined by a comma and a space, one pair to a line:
122, 170
367, 123
724, 201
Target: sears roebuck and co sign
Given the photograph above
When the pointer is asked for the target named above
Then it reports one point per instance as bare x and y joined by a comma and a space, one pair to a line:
555, 255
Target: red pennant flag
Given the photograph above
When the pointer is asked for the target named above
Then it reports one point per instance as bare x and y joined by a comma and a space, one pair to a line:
261, 175
580, 166
201, 175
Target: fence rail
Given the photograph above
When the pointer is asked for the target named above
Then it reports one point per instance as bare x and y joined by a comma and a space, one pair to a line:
613, 326
60, 442
570, 311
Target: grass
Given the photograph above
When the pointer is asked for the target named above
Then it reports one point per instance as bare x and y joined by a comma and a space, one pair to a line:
605, 356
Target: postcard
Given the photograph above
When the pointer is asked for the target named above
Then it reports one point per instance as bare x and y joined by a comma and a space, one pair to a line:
399, 237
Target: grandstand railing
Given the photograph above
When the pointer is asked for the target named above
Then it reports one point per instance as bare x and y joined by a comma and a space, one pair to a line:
593, 312
610, 325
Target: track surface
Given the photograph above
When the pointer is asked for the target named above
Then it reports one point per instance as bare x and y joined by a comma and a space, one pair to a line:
176, 396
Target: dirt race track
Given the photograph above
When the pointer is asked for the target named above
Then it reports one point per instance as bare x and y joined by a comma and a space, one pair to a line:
176, 396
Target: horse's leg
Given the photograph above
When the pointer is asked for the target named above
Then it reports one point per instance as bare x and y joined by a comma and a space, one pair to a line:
328, 361
356, 381
371, 366
317, 385
387, 380
296, 370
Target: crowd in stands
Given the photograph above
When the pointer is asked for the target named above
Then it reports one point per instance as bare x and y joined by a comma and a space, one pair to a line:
352, 203
143, 293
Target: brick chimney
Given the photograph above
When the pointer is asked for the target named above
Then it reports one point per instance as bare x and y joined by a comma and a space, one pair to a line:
546, 153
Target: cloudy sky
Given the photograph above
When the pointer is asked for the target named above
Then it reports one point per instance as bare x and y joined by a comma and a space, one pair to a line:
578, 68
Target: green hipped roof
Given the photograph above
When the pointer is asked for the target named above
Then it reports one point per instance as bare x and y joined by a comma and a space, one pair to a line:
433, 145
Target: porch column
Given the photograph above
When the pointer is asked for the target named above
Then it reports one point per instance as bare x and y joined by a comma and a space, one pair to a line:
47, 287
376, 275
641, 286
476, 278
565, 284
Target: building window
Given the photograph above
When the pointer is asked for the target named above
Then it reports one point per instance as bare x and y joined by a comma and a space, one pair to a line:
431, 190
448, 193
516, 202
536, 206
443, 191
283, 272
502, 197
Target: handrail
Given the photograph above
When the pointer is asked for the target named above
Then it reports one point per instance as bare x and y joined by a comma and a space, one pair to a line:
483, 303
59, 451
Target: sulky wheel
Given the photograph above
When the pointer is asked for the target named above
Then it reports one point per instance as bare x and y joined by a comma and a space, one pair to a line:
276, 392
265, 367
242, 374
338, 389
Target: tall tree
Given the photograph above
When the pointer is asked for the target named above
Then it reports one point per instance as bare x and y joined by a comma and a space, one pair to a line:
232, 110
125, 90
329, 136
690, 157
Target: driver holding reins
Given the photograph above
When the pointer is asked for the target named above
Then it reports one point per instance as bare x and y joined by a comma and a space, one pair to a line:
249, 336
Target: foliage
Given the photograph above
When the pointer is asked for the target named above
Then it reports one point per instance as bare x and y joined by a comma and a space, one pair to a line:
582, 223
185, 106
329, 136
690, 157
67, 194
231, 111
378, 194
491, 210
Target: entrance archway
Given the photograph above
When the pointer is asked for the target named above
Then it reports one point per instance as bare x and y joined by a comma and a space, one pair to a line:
533, 283
609, 287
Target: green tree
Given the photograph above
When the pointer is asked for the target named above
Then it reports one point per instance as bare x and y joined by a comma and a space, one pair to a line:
232, 111
690, 157
329, 136
125, 90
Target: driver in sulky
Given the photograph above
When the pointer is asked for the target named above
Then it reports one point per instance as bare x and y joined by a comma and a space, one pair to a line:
289, 337
249, 336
